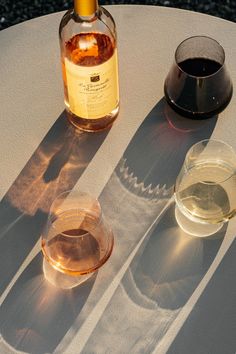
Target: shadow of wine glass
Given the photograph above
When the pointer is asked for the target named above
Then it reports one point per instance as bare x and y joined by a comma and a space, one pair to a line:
210, 327
143, 181
36, 315
170, 265
161, 278
164, 274
157, 151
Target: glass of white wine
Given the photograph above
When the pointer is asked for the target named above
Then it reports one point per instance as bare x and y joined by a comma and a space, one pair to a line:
76, 241
205, 189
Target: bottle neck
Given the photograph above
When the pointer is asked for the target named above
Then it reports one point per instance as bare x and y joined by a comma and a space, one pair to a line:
85, 8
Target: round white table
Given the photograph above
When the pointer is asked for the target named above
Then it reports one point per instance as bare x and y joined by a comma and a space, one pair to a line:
161, 291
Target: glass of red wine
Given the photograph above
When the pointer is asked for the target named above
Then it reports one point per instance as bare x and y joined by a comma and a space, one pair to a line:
198, 85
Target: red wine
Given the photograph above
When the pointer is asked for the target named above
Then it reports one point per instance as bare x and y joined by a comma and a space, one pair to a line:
200, 67
198, 89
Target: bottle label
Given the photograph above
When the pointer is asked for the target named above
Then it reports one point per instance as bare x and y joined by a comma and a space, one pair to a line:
92, 91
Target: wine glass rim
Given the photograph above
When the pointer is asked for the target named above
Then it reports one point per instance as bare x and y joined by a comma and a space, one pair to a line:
200, 36
206, 141
54, 216
218, 141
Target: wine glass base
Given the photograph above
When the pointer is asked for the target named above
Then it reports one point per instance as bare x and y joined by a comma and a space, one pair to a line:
198, 115
61, 280
194, 228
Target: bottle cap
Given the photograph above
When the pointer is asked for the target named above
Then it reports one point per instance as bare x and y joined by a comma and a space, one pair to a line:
85, 7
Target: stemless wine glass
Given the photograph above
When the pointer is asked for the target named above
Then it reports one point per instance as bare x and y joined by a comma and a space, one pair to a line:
198, 85
205, 188
77, 240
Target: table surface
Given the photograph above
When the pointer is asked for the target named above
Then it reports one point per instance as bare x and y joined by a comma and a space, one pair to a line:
161, 291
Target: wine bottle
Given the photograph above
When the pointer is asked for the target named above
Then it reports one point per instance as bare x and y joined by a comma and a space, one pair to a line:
88, 44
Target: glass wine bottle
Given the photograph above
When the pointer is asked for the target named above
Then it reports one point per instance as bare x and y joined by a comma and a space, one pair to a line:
88, 44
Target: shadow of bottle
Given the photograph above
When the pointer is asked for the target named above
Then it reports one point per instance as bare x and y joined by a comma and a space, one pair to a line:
54, 167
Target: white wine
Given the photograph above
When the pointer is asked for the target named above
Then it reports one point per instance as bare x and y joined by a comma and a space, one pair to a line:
207, 192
